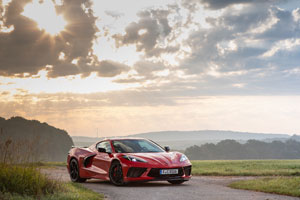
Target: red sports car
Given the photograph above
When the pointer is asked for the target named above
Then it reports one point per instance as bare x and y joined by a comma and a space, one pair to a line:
123, 160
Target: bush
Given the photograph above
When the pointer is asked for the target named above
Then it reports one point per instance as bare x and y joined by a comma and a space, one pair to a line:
25, 180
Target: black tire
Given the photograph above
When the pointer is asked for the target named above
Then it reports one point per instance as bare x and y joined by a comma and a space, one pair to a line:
74, 172
176, 182
116, 174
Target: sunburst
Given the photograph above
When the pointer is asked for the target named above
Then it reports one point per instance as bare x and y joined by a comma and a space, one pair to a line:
45, 15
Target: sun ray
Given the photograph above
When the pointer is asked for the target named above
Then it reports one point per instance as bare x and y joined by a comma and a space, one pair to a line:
45, 15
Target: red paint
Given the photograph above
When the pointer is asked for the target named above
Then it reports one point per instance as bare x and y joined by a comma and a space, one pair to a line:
99, 165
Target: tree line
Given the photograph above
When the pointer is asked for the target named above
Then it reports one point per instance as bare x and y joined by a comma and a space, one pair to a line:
252, 149
24, 140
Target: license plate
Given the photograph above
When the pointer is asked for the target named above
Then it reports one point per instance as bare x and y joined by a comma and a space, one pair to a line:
168, 171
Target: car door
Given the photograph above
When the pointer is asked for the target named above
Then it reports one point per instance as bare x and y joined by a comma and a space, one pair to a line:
102, 159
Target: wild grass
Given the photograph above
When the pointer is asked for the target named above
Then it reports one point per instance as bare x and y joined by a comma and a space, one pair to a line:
279, 185
49, 164
21, 179
25, 181
246, 167
68, 191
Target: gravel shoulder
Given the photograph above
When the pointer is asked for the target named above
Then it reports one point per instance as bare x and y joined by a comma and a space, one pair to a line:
199, 187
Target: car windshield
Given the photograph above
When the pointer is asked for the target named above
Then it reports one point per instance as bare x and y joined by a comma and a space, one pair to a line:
135, 146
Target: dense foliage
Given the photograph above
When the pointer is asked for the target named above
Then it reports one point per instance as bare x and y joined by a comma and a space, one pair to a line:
252, 149
24, 140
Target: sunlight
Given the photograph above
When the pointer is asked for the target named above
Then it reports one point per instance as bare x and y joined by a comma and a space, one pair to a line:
45, 15
40, 83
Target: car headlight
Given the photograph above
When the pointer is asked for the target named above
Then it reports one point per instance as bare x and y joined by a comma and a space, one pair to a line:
134, 159
183, 158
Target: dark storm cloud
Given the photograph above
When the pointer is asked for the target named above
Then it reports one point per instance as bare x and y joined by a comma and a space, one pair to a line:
27, 49
156, 28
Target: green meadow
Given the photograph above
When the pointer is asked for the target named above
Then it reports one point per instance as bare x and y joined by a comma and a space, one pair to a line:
246, 167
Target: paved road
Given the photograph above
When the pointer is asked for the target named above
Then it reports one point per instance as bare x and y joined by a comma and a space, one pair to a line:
200, 188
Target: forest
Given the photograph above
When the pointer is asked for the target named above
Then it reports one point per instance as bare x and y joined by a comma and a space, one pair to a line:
25, 140
252, 149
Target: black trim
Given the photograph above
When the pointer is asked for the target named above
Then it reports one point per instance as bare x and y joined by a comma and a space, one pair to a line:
135, 172
87, 162
187, 170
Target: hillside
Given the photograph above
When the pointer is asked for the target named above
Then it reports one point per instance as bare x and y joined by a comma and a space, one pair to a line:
183, 139
180, 140
31, 140
252, 149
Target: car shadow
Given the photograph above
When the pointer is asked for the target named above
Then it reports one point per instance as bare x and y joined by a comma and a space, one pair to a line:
138, 184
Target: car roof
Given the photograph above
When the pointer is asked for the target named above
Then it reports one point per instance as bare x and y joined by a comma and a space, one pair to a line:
124, 138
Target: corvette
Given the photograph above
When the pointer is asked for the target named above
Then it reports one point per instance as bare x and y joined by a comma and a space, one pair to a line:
123, 160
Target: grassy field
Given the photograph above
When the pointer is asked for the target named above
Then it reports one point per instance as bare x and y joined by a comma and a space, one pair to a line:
246, 168
279, 185
26, 182
283, 175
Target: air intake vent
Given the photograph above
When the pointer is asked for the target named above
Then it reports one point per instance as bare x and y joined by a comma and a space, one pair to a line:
135, 172
187, 170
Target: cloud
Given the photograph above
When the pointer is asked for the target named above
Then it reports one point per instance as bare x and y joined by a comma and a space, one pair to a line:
151, 29
219, 4
28, 49
114, 14
286, 26
109, 68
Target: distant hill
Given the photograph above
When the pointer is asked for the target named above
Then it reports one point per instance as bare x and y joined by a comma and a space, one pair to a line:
183, 139
82, 141
180, 140
252, 149
31, 140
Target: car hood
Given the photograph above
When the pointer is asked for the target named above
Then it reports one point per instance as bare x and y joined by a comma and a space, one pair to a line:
160, 158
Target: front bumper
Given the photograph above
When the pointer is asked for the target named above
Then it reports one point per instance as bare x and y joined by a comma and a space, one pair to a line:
132, 174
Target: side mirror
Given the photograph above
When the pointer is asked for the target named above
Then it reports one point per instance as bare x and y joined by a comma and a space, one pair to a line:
167, 148
102, 150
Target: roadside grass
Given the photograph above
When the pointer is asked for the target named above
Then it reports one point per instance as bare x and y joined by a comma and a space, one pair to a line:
68, 191
246, 167
279, 185
26, 182
49, 164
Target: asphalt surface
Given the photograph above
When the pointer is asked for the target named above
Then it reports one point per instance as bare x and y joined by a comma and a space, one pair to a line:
199, 187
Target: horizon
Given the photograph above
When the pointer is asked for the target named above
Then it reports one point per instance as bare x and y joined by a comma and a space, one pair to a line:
129, 67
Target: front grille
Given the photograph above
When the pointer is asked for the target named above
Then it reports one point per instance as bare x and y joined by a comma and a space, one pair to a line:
187, 170
154, 172
135, 172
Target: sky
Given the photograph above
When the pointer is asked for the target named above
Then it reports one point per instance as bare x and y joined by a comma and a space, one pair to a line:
121, 67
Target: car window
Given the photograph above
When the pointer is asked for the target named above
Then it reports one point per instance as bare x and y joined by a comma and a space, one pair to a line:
148, 146
105, 145
135, 146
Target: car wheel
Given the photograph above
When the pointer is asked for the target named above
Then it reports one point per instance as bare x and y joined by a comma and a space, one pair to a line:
116, 174
74, 172
176, 182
